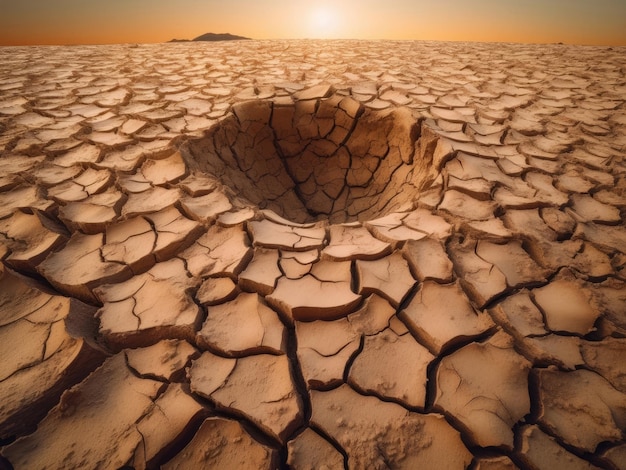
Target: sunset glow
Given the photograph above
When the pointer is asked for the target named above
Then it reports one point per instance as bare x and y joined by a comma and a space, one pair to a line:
145, 21
324, 22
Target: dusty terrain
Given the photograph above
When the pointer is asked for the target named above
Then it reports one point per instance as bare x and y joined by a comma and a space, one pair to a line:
359, 254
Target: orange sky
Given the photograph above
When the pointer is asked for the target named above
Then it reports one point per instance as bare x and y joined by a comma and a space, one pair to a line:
123, 21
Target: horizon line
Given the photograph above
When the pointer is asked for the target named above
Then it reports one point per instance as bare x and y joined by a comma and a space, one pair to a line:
176, 40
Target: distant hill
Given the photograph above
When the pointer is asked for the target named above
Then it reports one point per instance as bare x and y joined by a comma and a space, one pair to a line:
214, 37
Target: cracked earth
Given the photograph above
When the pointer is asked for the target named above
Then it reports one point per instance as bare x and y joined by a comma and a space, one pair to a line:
313, 254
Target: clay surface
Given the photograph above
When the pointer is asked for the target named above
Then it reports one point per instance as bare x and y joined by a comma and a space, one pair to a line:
313, 254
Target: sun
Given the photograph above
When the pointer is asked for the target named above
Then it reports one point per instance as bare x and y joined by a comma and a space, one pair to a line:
324, 22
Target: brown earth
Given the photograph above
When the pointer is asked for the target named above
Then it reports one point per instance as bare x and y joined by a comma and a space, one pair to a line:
313, 254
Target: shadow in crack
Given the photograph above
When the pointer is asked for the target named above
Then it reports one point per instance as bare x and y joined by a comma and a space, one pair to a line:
318, 159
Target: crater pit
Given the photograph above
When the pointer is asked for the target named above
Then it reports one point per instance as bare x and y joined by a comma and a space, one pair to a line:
326, 158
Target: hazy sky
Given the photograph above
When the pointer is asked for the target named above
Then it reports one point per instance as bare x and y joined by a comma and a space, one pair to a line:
123, 21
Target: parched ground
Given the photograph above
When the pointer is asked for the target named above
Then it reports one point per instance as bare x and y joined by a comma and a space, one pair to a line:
313, 254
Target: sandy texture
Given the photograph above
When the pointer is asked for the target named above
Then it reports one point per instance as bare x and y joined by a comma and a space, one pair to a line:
313, 254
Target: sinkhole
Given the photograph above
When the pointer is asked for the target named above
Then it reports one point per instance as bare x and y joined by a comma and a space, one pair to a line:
321, 159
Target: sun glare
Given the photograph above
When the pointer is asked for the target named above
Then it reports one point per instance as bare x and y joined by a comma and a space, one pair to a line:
324, 23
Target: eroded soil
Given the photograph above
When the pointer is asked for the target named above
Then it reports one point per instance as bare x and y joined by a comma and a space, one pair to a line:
359, 254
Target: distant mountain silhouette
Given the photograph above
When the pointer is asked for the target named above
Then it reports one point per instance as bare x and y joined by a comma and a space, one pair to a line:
213, 37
